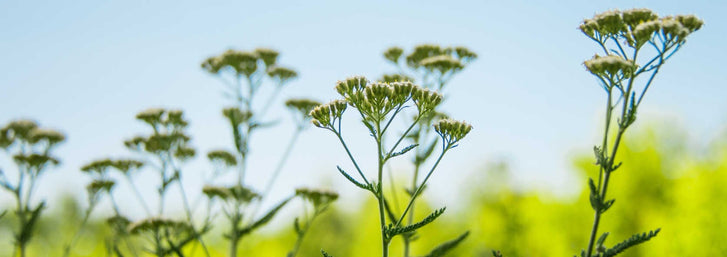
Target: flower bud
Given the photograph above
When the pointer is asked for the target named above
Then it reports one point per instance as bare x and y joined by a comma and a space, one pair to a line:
611, 65
610, 22
452, 131
426, 100
691, 22
637, 16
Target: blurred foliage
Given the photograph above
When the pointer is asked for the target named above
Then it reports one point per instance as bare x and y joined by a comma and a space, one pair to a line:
669, 183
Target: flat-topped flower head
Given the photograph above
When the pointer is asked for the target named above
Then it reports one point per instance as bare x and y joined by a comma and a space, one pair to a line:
243, 194
152, 116
319, 198
184, 153
442, 63
389, 78
402, 92
212, 192
5, 138
176, 118
118, 223
99, 185
422, 52
452, 131
393, 53
35, 161
637, 16
642, 33
325, 115
348, 87
282, 75
222, 157
464, 54
165, 142
426, 100
302, 105
691, 22
98, 166
243, 63
20, 129
127, 165
136, 143
50, 136
236, 116
610, 22
671, 28
611, 66
155, 224
269, 56
589, 27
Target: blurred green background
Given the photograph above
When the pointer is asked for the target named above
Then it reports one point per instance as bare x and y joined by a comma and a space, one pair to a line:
664, 183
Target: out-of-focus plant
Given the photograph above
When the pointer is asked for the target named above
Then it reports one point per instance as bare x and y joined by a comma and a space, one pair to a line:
634, 42
164, 150
319, 200
433, 67
244, 73
378, 105
30, 148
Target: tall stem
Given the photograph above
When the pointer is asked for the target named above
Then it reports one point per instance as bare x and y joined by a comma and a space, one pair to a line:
380, 192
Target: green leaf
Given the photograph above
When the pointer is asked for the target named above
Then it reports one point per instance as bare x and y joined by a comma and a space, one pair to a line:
403, 151
633, 241
358, 184
392, 231
445, 247
389, 212
264, 220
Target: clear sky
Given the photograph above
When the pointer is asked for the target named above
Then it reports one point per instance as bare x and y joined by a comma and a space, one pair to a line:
87, 67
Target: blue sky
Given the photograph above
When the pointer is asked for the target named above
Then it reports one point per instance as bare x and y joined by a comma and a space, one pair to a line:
88, 67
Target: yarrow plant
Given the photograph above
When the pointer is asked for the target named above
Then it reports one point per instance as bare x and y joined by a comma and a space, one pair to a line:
433, 67
378, 104
244, 74
635, 43
31, 148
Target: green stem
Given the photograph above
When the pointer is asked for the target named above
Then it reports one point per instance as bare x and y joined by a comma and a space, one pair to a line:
350, 156
380, 193
421, 186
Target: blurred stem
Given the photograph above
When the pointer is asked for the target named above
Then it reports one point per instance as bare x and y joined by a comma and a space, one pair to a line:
73, 241
278, 168
301, 235
421, 186
137, 193
407, 239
